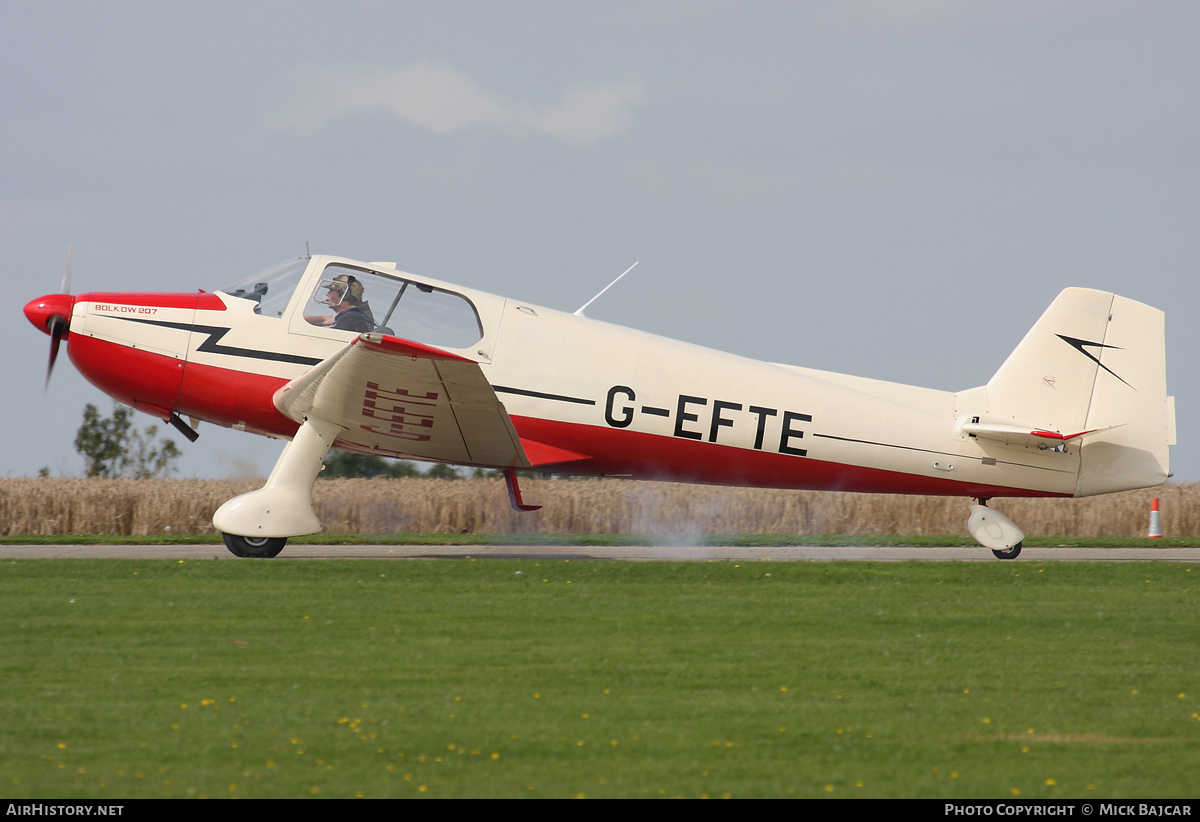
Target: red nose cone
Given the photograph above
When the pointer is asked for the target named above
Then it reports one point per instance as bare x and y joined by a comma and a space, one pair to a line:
44, 309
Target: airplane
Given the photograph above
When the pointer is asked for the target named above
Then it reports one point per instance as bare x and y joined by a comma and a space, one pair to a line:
328, 352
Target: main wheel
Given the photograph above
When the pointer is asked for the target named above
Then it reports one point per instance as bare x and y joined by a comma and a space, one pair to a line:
257, 547
1011, 553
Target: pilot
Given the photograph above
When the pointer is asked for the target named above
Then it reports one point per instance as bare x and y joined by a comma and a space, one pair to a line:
350, 312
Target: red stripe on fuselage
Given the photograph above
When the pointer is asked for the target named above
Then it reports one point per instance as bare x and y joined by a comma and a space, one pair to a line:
130, 375
144, 379
202, 300
228, 397
656, 457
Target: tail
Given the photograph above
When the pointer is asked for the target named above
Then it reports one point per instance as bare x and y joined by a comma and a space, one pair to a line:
1091, 374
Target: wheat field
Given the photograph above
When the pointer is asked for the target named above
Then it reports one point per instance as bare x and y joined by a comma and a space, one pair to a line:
49, 506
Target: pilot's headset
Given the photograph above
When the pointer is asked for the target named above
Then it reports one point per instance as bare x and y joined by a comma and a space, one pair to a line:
347, 287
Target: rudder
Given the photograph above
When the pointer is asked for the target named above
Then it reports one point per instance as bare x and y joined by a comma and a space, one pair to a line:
1129, 404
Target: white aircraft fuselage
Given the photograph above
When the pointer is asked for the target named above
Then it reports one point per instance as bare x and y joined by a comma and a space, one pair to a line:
458, 375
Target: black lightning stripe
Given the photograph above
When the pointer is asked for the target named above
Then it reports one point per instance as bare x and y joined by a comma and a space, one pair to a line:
1078, 346
525, 392
212, 345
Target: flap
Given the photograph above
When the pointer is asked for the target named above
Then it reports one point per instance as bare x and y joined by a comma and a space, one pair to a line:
400, 398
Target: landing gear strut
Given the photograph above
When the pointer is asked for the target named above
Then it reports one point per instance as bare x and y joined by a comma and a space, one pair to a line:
283, 507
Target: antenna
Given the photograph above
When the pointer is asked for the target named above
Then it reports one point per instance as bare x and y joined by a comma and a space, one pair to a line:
579, 313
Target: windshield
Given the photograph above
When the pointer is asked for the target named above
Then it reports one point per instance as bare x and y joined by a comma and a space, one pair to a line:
271, 289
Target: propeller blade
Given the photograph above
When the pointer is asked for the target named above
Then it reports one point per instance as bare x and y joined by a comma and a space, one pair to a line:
58, 329
65, 287
53, 313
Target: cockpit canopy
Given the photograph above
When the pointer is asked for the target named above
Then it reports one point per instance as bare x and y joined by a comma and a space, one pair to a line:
272, 289
355, 298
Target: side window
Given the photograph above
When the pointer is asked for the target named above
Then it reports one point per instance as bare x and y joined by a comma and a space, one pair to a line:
361, 300
430, 315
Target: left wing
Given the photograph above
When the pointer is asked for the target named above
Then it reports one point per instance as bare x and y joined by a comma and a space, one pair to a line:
400, 398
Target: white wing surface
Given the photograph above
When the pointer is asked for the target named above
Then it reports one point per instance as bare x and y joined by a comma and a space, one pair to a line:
399, 398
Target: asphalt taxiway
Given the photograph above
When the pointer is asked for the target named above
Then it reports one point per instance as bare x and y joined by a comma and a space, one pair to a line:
607, 553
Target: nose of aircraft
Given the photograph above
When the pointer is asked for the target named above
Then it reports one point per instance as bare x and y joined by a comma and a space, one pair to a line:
43, 311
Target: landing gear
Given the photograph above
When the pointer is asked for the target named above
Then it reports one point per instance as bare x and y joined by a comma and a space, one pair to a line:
256, 547
283, 507
1011, 553
991, 529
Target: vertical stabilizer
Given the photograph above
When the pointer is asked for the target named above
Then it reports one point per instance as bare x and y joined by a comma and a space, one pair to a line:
1048, 379
1093, 369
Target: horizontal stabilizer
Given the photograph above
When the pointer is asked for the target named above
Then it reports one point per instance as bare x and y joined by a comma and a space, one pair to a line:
1010, 434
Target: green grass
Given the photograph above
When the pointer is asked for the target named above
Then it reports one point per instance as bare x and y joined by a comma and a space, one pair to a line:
546, 678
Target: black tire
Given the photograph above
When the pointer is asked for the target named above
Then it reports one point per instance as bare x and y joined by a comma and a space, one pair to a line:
254, 547
1011, 553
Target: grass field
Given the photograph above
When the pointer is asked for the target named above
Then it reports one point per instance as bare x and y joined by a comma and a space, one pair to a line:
122, 679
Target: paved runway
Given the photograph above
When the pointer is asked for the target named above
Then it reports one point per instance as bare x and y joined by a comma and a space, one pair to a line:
627, 554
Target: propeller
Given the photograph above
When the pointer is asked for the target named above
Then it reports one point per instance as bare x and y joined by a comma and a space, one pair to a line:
52, 314
65, 286
57, 326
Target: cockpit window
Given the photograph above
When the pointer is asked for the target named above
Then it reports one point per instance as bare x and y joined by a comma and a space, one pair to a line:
271, 289
360, 300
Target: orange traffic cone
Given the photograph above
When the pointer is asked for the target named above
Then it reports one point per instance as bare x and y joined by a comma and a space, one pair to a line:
1155, 521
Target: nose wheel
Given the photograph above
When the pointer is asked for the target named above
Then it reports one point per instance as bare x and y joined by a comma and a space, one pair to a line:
1008, 553
254, 547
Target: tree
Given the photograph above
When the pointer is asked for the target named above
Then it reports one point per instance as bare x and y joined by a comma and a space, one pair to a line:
346, 464
440, 470
113, 447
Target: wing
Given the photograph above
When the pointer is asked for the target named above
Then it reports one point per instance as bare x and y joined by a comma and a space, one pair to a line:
401, 398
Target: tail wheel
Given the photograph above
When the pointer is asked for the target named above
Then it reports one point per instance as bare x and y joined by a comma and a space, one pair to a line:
256, 547
1009, 553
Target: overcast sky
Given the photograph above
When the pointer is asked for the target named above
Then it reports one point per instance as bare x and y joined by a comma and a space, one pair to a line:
894, 190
